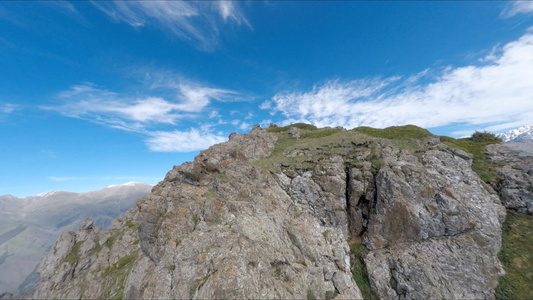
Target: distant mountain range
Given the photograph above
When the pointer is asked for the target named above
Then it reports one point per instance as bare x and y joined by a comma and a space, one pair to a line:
29, 226
522, 134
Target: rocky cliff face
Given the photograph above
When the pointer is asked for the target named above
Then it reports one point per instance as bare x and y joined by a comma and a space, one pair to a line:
326, 213
516, 172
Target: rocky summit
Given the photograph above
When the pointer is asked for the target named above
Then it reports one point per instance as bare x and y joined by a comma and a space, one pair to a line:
299, 213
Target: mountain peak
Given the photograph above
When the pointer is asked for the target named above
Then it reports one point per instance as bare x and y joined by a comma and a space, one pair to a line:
131, 183
522, 134
47, 194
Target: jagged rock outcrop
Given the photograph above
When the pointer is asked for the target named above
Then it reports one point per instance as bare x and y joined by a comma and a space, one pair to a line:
516, 172
30, 226
268, 215
436, 231
90, 262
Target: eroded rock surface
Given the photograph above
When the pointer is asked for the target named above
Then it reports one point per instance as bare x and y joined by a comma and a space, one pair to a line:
89, 263
258, 217
516, 172
436, 231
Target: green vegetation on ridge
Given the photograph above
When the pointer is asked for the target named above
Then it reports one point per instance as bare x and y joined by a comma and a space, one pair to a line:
297, 125
117, 275
516, 255
357, 254
74, 254
395, 132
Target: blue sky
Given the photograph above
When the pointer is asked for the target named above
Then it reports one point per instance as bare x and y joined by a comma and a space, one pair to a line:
100, 93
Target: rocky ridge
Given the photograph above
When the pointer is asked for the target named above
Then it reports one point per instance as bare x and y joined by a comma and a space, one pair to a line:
30, 226
304, 213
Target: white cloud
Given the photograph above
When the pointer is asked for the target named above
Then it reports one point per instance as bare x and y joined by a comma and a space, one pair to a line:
134, 113
195, 98
7, 108
214, 114
228, 10
266, 105
182, 141
145, 114
496, 92
516, 8
244, 126
265, 123
198, 23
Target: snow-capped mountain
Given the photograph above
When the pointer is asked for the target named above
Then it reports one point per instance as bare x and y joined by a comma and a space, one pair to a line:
522, 134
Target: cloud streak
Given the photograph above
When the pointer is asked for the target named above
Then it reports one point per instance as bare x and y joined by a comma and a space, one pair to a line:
145, 114
131, 113
496, 93
7, 108
516, 8
198, 23
182, 141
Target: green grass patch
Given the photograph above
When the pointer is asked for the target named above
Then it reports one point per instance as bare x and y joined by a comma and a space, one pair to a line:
74, 254
297, 125
330, 295
96, 249
130, 224
395, 132
118, 296
113, 238
357, 254
322, 144
481, 164
116, 276
310, 295
516, 255
485, 137
319, 133
111, 241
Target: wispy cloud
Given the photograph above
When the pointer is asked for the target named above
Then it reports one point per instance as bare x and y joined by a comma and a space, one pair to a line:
242, 125
516, 8
168, 102
7, 108
135, 113
199, 23
229, 10
494, 93
182, 141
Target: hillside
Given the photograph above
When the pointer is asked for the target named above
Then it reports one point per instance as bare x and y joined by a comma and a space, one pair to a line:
301, 212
